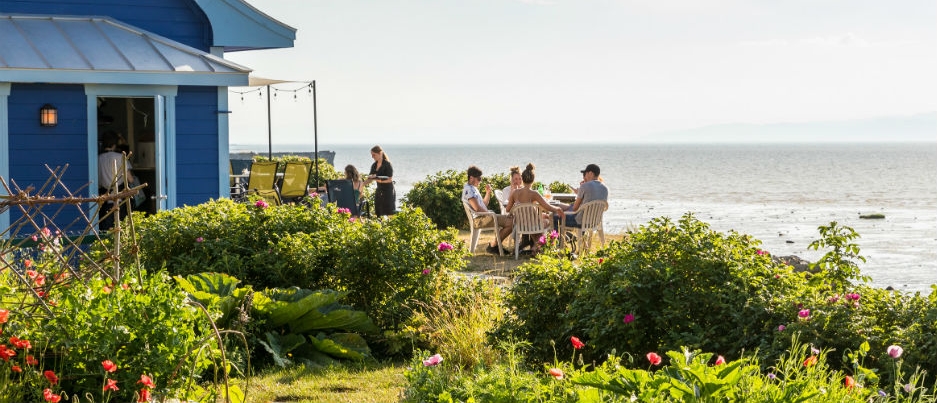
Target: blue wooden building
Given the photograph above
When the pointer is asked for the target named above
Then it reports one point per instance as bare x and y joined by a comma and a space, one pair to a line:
152, 70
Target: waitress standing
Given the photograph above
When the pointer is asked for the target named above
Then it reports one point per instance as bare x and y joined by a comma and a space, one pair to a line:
385, 198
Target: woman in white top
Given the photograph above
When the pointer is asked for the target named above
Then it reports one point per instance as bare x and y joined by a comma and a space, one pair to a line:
516, 183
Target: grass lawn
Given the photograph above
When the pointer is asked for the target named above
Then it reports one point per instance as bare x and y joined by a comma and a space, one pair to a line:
364, 382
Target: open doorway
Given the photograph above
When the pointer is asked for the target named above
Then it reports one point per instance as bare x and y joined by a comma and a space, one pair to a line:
134, 119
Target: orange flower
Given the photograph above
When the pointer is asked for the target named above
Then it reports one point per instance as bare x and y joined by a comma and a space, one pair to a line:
111, 385
849, 382
109, 366
810, 361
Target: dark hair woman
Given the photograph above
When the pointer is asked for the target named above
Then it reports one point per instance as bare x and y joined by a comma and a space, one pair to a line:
385, 198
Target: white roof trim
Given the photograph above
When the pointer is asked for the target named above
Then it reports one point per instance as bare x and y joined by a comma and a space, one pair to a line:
99, 50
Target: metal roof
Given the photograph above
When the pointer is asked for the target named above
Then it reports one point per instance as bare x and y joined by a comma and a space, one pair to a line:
99, 50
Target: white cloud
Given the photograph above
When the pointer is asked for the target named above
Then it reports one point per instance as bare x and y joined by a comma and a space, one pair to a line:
848, 39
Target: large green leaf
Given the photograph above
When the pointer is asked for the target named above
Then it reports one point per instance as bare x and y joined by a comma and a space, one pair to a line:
279, 346
219, 284
282, 306
334, 316
341, 345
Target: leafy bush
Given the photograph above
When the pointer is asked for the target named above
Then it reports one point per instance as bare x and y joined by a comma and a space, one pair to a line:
800, 375
440, 197
382, 264
559, 187
142, 325
541, 292
665, 286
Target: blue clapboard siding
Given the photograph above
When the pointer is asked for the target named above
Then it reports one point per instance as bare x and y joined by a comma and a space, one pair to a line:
196, 145
179, 20
32, 147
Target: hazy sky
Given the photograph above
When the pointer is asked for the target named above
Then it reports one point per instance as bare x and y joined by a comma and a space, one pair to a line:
447, 71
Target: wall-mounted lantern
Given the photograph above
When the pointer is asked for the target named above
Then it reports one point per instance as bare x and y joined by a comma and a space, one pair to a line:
48, 115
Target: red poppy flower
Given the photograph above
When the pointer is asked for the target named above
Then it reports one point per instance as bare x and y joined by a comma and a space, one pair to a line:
144, 395
109, 365
6, 353
654, 358
810, 361
51, 377
20, 343
30, 360
16, 368
849, 382
576, 343
111, 385
556, 373
146, 381
4, 315
720, 360
50, 397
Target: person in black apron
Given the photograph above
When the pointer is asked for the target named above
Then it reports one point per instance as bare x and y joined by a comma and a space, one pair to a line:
382, 172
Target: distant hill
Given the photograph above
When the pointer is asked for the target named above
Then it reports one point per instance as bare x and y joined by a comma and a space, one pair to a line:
913, 128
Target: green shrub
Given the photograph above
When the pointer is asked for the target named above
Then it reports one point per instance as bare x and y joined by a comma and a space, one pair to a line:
380, 263
559, 187
440, 196
675, 285
541, 292
144, 327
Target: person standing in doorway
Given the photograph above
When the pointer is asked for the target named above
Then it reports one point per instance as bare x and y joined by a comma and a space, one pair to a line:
113, 172
382, 172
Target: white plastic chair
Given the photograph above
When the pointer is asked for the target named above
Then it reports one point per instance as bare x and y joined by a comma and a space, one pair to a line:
528, 220
499, 194
476, 230
590, 221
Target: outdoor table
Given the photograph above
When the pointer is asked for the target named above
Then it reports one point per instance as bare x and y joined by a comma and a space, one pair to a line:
564, 197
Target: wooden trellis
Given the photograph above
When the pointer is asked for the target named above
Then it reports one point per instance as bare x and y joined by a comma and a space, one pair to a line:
36, 235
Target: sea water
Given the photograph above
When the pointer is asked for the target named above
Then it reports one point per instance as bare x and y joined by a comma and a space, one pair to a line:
778, 193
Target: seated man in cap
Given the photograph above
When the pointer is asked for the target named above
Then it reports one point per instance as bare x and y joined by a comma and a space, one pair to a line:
591, 188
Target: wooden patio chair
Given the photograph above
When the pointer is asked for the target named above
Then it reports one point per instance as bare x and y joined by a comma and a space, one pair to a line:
477, 224
589, 217
262, 181
528, 220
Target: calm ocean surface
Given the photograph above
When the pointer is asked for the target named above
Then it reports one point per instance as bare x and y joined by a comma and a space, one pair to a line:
779, 193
